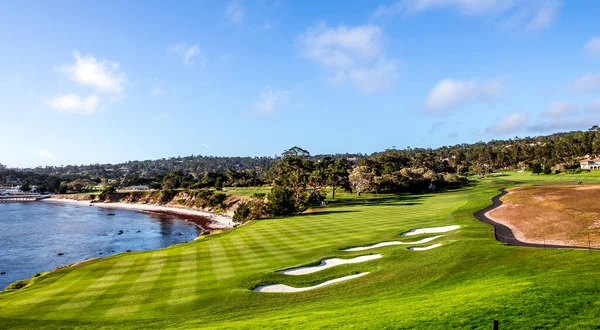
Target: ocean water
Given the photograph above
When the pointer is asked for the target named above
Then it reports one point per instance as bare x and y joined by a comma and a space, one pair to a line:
32, 235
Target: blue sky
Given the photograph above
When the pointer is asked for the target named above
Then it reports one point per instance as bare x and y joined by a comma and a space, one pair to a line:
110, 81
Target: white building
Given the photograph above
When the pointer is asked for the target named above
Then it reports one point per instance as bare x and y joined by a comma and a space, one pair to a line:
137, 188
590, 164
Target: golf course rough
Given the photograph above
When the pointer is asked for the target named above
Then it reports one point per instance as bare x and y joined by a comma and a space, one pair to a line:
206, 283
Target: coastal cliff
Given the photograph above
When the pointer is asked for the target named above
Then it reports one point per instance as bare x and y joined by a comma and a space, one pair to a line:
197, 200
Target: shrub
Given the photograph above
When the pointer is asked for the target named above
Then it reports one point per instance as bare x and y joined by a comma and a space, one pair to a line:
242, 213
281, 201
315, 198
108, 190
17, 285
217, 199
167, 195
258, 208
62, 189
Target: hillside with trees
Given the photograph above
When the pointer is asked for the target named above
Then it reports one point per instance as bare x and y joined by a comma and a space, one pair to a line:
304, 177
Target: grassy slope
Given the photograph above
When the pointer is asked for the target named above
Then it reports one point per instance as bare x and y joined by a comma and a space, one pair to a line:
467, 282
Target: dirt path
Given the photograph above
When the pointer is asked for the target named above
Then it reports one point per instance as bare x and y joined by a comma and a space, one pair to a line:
505, 235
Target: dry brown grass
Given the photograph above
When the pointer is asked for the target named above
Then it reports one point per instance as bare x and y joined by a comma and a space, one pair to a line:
552, 214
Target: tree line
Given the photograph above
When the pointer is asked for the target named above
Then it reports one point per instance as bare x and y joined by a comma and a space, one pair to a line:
302, 176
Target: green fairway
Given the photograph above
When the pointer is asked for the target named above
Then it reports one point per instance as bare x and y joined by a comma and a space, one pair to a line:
466, 283
247, 191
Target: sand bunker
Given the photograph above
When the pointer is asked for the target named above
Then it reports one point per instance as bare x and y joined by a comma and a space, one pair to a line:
374, 246
328, 263
424, 248
286, 288
555, 215
433, 230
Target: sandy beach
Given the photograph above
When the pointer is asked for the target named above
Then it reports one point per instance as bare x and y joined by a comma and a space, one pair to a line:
216, 221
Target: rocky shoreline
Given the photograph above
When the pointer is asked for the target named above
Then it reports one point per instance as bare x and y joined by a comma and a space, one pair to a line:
205, 220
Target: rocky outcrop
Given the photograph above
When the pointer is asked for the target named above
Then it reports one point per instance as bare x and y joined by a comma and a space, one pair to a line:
201, 200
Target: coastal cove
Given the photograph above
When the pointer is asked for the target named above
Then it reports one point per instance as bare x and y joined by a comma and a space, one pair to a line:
41, 236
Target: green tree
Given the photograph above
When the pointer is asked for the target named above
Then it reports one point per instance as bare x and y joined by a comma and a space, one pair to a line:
293, 172
25, 186
337, 175
536, 168
62, 189
297, 182
281, 201
109, 189
172, 181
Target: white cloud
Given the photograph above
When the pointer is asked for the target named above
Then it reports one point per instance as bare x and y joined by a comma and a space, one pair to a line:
186, 52
560, 108
587, 82
104, 76
270, 100
205, 146
512, 123
44, 153
466, 7
592, 47
342, 46
450, 93
353, 54
380, 76
71, 103
235, 12
544, 16
527, 14
560, 116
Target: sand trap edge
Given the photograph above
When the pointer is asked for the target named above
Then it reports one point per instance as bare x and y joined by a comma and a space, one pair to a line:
382, 244
430, 230
328, 263
424, 248
279, 288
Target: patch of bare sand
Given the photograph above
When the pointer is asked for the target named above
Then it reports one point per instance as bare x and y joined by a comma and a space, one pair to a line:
562, 215
586, 188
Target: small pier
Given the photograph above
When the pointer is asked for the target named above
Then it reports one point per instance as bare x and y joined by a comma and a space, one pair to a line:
22, 198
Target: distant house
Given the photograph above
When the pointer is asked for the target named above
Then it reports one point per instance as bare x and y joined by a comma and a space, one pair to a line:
590, 164
10, 190
137, 188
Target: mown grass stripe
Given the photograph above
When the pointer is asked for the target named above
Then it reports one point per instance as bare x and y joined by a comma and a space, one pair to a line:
220, 262
96, 289
141, 287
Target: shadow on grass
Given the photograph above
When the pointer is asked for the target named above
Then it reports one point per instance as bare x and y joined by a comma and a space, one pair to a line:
315, 211
400, 200
324, 212
389, 199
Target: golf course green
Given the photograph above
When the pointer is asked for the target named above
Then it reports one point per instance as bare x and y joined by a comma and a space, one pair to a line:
467, 282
